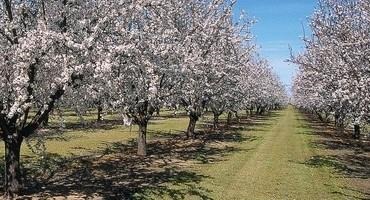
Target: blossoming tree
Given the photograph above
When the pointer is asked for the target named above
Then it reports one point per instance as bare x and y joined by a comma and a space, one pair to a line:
45, 51
333, 75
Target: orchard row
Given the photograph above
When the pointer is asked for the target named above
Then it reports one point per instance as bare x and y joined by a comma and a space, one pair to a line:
134, 57
334, 71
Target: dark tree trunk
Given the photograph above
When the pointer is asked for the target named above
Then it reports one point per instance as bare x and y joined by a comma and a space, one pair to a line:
141, 140
319, 116
158, 111
262, 110
237, 116
357, 132
100, 110
193, 118
336, 120
327, 114
46, 121
12, 179
216, 120
251, 111
258, 111
229, 118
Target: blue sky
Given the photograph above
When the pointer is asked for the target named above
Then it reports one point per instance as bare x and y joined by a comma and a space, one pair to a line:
279, 24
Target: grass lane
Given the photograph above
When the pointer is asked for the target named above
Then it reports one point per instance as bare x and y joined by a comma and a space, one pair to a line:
270, 160
273, 165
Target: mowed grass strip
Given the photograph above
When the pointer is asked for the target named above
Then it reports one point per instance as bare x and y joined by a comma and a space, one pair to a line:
273, 164
267, 157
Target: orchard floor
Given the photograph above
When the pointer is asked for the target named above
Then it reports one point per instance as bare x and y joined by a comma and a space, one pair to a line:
280, 156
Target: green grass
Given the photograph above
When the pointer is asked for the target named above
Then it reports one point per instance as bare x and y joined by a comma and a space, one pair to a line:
273, 159
86, 140
274, 166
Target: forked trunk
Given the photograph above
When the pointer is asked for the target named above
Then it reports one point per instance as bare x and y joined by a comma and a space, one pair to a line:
141, 140
12, 179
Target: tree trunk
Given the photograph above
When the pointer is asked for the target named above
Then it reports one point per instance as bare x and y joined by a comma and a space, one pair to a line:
190, 133
216, 120
158, 111
261, 111
237, 116
46, 121
251, 111
336, 120
319, 116
13, 181
326, 117
229, 118
100, 110
141, 140
258, 110
357, 132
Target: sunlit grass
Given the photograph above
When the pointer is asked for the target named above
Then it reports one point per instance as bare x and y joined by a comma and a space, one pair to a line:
274, 158
276, 164
83, 140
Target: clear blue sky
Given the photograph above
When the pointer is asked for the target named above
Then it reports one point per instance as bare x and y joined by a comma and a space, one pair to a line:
279, 24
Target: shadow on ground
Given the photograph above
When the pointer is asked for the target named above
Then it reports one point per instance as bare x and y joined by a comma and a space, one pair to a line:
348, 157
115, 172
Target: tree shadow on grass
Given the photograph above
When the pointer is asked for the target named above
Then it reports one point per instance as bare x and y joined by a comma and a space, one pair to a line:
113, 180
210, 147
170, 116
353, 166
347, 195
244, 123
348, 157
351, 190
115, 172
116, 175
328, 161
106, 124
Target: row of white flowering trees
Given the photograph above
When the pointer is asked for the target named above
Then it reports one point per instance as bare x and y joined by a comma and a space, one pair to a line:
334, 71
131, 56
